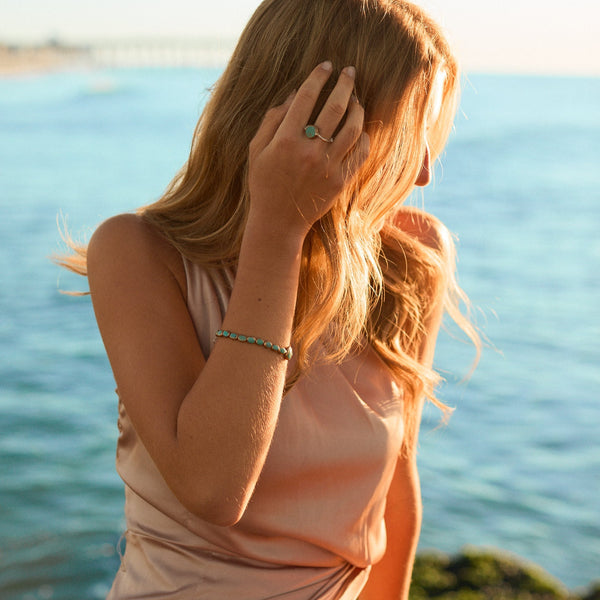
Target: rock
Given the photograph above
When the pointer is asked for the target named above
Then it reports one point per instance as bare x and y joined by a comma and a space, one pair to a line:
477, 574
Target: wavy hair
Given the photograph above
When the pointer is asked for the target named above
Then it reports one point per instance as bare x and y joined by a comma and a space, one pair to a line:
360, 283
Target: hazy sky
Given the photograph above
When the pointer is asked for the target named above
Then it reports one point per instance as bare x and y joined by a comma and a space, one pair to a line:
529, 35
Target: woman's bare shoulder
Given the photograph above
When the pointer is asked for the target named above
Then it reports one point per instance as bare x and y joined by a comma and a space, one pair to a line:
128, 241
125, 232
429, 230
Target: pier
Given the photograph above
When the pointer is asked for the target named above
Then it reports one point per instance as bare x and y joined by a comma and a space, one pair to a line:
147, 52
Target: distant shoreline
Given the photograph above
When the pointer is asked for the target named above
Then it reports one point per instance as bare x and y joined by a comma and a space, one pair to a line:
18, 60
23, 60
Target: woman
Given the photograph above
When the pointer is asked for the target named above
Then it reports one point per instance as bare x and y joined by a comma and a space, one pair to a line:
251, 473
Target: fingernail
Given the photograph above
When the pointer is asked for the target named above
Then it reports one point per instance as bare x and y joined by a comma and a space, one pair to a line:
327, 66
354, 98
290, 97
350, 71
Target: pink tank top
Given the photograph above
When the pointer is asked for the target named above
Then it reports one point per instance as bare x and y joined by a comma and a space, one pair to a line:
315, 522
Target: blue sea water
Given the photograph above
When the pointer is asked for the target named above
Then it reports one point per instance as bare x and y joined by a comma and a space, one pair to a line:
518, 466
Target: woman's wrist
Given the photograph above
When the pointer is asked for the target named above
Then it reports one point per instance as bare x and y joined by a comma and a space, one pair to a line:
266, 283
269, 234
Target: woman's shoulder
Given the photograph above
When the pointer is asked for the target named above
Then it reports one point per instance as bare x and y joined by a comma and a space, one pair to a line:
128, 242
125, 230
426, 228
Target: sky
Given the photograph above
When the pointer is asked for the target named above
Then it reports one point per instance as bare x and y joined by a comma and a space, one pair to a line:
543, 36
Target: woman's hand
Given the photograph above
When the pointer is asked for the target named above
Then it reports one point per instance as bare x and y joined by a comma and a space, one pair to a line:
295, 180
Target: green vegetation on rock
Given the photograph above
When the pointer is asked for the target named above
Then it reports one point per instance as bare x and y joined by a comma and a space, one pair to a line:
477, 574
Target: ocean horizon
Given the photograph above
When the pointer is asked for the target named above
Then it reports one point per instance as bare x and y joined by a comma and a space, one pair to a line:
518, 465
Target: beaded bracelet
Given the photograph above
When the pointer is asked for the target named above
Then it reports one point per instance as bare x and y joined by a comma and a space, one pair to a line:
281, 350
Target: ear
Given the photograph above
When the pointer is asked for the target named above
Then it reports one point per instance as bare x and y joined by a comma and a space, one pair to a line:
424, 177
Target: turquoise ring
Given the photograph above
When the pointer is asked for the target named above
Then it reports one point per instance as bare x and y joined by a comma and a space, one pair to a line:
312, 131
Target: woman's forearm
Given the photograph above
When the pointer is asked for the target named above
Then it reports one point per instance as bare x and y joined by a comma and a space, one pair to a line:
235, 400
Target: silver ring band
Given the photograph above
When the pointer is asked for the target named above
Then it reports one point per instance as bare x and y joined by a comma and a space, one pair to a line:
312, 131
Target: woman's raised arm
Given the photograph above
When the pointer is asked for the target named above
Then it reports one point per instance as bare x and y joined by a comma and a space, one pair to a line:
208, 424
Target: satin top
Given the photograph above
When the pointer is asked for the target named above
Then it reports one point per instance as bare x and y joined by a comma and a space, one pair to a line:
314, 524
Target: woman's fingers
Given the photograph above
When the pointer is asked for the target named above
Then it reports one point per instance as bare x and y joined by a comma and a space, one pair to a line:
270, 124
307, 96
337, 104
350, 132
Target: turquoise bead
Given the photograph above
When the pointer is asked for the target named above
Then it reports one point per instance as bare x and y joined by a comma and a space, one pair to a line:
225, 333
251, 340
260, 342
268, 345
276, 347
233, 336
242, 338
311, 131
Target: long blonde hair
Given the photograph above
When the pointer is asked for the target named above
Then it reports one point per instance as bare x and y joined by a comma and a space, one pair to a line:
358, 283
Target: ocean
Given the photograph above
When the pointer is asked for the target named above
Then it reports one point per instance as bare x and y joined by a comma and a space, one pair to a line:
518, 465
